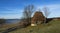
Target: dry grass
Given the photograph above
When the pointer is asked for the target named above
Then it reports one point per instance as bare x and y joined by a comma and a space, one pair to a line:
6, 26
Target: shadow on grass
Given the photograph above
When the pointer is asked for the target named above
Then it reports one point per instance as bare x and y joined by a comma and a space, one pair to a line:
49, 19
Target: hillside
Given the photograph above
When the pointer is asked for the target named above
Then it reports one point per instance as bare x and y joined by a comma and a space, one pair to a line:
51, 27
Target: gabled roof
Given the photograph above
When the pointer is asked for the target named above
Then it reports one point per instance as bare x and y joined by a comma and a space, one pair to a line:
38, 16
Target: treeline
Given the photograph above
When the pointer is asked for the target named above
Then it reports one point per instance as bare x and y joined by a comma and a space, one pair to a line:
2, 21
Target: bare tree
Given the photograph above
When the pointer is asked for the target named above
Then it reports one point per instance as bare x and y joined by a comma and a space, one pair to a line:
46, 13
28, 10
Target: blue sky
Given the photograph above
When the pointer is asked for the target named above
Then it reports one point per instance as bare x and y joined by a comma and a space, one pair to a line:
11, 9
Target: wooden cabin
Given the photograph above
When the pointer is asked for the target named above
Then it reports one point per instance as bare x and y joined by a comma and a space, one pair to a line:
37, 18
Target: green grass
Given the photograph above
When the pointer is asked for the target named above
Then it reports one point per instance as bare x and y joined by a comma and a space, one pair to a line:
51, 27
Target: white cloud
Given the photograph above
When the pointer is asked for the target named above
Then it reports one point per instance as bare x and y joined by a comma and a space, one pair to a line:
53, 8
18, 16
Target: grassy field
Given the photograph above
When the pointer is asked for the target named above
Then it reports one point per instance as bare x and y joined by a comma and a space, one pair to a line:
51, 27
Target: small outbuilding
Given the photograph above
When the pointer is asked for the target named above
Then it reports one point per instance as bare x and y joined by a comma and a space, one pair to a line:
37, 18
